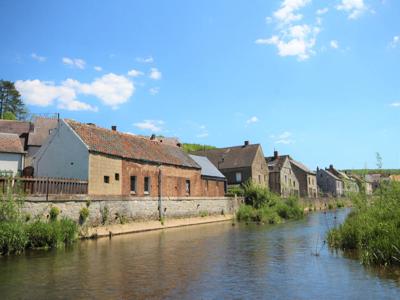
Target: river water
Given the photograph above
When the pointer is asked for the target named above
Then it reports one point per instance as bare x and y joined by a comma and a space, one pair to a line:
215, 261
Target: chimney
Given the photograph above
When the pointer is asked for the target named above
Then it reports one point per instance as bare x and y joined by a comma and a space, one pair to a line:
114, 128
153, 137
276, 154
330, 167
246, 143
179, 145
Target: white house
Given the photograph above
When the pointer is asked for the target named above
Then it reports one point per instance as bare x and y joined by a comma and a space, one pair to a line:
12, 154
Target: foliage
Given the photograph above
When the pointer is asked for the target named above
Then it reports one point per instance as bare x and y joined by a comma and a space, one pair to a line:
384, 172
121, 218
104, 214
10, 207
83, 215
8, 115
203, 214
266, 207
11, 101
13, 237
235, 190
54, 212
372, 229
187, 147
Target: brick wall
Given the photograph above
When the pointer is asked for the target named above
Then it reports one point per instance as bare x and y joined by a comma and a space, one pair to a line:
213, 188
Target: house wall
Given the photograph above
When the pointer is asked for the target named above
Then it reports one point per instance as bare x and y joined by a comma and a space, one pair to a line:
289, 183
11, 162
63, 155
230, 175
307, 182
259, 169
173, 180
102, 165
275, 182
312, 187
213, 188
328, 184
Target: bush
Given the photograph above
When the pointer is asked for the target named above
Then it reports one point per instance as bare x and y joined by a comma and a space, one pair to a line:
83, 215
372, 228
104, 215
68, 231
10, 207
43, 235
235, 190
13, 237
258, 196
54, 212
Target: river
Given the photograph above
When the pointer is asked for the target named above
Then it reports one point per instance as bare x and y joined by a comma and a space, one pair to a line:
215, 261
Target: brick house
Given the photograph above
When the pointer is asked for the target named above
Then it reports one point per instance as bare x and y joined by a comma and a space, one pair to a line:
31, 133
307, 179
282, 178
239, 163
116, 163
329, 183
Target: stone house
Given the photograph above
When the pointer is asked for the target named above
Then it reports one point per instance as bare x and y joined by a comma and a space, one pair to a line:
350, 185
32, 134
307, 179
116, 163
239, 163
363, 183
282, 178
12, 155
329, 184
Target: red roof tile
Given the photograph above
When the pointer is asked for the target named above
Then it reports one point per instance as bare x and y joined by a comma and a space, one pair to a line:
130, 146
10, 143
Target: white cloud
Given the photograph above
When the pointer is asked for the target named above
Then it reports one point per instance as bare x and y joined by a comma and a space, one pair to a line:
145, 60
283, 138
253, 119
113, 90
134, 73
287, 12
155, 74
38, 57
292, 39
98, 68
202, 135
395, 41
154, 91
395, 104
150, 125
74, 62
334, 44
296, 40
38, 93
354, 8
322, 11
203, 131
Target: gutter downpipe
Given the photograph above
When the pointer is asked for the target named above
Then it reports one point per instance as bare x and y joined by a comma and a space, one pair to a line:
160, 209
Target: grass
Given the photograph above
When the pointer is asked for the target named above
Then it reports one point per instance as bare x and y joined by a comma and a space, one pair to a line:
18, 232
266, 207
372, 229
187, 147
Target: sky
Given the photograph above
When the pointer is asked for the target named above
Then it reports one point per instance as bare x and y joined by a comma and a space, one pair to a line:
318, 80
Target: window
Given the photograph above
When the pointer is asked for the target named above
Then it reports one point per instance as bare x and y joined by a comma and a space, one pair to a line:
206, 185
294, 183
106, 179
147, 185
309, 180
116, 176
238, 177
259, 179
133, 184
187, 186
286, 179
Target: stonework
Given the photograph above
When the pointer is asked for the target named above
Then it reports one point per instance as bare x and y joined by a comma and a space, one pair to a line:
131, 208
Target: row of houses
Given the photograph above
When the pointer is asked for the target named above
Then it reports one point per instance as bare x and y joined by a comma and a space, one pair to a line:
117, 163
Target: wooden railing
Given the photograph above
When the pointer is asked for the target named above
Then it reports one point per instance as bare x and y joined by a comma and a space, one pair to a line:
43, 185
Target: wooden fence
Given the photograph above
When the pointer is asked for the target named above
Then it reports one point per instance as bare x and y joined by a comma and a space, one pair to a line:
43, 185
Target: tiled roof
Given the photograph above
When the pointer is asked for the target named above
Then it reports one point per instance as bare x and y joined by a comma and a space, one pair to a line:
276, 164
330, 174
16, 127
42, 128
130, 146
207, 168
10, 143
301, 166
231, 157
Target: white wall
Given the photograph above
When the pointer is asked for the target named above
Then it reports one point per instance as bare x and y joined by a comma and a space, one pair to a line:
11, 162
64, 155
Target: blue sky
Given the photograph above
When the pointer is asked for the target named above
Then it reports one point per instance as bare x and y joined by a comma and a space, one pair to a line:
318, 80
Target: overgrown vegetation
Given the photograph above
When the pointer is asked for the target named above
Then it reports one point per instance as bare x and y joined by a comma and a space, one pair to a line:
18, 232
196, 147
372, 229
266, 207
384, 172
83, 215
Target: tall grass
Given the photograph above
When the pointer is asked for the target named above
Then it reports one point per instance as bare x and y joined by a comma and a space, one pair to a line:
267, 207
17, 232
372, 229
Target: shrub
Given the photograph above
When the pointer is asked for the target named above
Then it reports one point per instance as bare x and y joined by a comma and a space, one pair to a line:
54, 212
13, 237
203, 214
258, 196
235, 190
83, 215
68, 231
10, 207
121, 218
330, 206
104, 214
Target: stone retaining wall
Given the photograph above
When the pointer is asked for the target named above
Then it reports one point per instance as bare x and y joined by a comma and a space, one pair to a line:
126, 209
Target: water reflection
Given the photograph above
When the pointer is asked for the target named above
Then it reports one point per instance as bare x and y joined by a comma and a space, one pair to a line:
216, 261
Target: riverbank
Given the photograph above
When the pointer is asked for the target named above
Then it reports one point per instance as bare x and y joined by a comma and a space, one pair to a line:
136, 227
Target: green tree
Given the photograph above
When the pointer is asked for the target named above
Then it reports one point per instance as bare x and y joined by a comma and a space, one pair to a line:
11, 105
